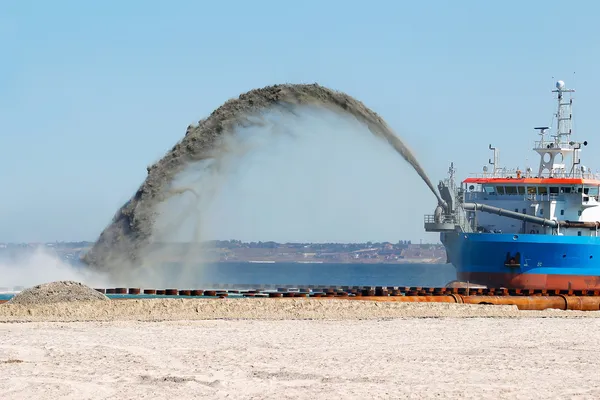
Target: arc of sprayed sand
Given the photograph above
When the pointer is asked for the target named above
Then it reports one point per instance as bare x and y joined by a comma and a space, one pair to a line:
177, 191
123, 240
182, 190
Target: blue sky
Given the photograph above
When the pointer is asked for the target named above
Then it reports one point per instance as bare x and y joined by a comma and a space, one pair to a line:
90, 94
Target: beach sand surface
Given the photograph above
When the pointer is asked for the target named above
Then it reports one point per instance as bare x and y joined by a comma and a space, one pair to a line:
352, 350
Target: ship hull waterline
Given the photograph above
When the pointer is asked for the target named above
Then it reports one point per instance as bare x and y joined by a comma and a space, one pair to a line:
525, 261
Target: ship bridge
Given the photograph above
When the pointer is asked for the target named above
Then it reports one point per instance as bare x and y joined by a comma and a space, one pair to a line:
557, 198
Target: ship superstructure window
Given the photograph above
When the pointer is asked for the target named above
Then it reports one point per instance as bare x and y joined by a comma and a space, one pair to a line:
511, 190
562, 212
489, 189
521, 190
531, 190
542, 190
592, 191
500, 189
554, 190
565, 190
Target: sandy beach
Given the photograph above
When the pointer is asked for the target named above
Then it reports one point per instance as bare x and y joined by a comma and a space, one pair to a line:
295, 349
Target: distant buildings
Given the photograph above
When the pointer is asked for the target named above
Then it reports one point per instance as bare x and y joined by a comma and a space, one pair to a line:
238, 251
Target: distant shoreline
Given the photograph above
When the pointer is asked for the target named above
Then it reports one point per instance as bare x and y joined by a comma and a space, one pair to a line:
235, 251
352, 262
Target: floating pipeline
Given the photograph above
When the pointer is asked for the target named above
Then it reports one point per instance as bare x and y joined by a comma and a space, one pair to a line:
524, 299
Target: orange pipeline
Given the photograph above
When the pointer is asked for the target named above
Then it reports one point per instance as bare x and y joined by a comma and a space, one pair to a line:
560, 302
452, 298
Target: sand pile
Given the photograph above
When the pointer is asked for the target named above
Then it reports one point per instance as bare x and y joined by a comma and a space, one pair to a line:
128, 236
57, 292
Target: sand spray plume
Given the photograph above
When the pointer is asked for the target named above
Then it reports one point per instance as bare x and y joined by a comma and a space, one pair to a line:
42, 266
191, 174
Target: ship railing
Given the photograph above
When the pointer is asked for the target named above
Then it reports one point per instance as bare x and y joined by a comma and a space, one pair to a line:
453, 219
512, 174
500, 173
446, 219
474, 196
469, 196
542, 197
543, 144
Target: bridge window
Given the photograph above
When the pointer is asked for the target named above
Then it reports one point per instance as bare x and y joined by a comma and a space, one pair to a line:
542, 190
500, 189
521, 190
553, 190
489, 189
531, 190
565, 190
592, 191
511, 190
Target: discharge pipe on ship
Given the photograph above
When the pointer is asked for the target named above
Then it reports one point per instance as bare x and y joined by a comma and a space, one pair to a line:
510, 214
530, 218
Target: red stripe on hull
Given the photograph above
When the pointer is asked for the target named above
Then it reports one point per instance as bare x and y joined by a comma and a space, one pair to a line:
532, 281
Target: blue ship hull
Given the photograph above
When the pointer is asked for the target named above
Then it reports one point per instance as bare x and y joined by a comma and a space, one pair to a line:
525, 261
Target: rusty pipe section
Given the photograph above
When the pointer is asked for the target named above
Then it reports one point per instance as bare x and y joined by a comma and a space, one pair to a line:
580, 224
451, 298
560, 302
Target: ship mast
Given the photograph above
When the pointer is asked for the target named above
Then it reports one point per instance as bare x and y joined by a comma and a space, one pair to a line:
554, 152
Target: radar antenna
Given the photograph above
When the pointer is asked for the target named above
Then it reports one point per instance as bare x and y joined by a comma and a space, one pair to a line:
542, 132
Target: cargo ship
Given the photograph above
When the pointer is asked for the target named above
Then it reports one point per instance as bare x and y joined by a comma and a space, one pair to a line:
530, 229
